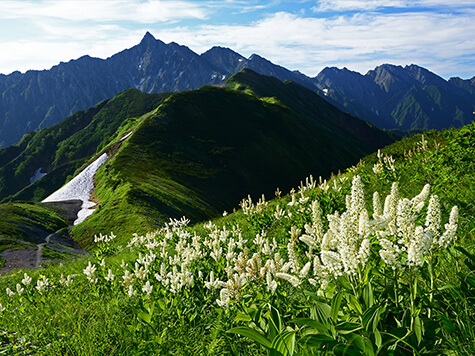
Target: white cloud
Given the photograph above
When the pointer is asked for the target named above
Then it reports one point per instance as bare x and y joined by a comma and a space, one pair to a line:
309, 44
361, 5
437, 40
148, 11
371, 5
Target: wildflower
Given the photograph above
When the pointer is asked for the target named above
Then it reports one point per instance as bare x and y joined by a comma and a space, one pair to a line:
450, 229
377, 209
147, 288
2, 309
131, 291
89, 272
304, 271
128, 278
26, 280
41, 284
110, 277
103, 263
224, 299
10, 293
212, 282
389, 253
294, 233
378, 168
19, 289
140, 272
271, 283
289, 278
68, 281
433, 217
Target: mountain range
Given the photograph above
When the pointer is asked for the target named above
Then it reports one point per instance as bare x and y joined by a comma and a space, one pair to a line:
194, 153
391, 97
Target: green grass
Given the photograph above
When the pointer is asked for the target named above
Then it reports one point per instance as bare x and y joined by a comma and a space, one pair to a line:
100, 318
27, 221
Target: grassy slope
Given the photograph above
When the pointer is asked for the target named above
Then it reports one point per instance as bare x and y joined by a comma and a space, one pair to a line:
63, 148
28, 222
202, 151
103, 320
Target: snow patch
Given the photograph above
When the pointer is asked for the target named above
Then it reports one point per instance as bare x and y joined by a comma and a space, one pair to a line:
240, 59
123, 138
325, 91
80, 187
38, 175
223, 77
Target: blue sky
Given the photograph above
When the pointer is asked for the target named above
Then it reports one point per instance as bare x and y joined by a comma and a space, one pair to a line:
300, 35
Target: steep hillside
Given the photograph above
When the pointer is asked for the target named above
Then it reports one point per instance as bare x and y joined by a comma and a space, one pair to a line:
202, 151
325, 270
404, 98
55, 153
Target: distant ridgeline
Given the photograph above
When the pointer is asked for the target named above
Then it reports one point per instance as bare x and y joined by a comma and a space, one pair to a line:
193, 153
390, 97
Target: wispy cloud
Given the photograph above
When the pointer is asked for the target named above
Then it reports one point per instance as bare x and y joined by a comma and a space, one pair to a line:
358, 34
372, 5
148, 11
360, 5
309, 44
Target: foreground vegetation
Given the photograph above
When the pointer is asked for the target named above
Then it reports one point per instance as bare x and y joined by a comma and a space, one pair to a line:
331, 268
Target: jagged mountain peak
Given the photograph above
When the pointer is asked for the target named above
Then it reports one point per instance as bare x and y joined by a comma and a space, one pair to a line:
148, 37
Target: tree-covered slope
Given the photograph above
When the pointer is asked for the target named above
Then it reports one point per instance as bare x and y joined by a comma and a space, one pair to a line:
59, 150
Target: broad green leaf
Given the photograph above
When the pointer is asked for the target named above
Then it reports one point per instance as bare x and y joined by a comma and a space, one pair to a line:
275, 322
418, 329
368, 318
251, 334
320, 312
377, 339
284, 343
354, 304
335, 306
347, 328
321, 341
242, 317
368, 295
312, 324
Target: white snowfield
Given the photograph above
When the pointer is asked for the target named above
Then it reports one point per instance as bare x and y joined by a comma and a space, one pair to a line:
80, 187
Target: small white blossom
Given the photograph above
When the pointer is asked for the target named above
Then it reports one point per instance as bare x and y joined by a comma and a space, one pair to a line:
147, 288
26, 280
110, 277
131, 291
10, 293
89, 272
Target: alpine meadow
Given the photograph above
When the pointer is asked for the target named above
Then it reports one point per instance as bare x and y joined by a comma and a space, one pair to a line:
161, 202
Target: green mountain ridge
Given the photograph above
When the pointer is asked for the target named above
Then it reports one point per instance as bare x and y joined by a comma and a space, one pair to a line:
61, 149
197, 153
